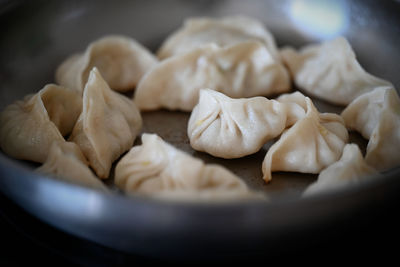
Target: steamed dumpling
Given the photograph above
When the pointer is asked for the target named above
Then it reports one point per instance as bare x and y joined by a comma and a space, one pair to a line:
330, 71
121, 60
376, 115
157, 169
65, 161
349, 169
28, 127
243, 70
107, 126
233, 128
315, 141
297, 106
224, 31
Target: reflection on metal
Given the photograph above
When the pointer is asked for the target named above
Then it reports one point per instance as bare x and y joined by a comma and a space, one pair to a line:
76, 12
323, 19
79, 203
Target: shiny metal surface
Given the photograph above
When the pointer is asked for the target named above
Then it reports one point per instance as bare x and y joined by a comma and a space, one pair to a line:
34, 43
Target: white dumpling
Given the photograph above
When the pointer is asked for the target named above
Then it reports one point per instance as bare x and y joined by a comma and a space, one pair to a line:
107, 126
330, 71
242, 70
297, 106
121, 60
28, 127
315, 141
349, 169
376, 115
157, 169
232, 128
223, 31
66, 162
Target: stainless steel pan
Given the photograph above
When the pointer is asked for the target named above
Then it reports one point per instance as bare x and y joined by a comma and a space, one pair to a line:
38, 35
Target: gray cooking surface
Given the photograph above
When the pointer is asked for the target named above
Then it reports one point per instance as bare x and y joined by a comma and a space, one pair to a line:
30, 53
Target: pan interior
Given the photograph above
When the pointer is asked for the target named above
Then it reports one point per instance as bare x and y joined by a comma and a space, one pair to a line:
35, 43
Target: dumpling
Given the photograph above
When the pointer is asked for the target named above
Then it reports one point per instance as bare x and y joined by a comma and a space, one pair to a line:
315, 141
376, 115
233, 128
66, 162
349, 169
121, 60
197, 32
107, 126
28, 127
330, 71
297, 106
157, 169
242, 70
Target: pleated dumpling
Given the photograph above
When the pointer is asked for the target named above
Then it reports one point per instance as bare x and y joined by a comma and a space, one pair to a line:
223, 31
376, 115
157, 169
297, 106
121, 60
28, 127
107, 126
351, 168
315, 141
66, 162
330, 71
242, 70
232, 128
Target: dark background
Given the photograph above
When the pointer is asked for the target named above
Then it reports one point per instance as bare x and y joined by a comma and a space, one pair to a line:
372, 234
